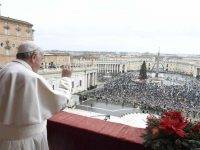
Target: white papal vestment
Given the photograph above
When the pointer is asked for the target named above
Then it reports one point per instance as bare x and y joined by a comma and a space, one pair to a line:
26, 102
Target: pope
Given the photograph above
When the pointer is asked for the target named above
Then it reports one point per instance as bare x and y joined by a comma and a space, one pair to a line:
27, 100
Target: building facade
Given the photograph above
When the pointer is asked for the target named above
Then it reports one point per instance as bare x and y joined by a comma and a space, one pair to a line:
86, 66
55, 60
133, 63
12, 33
84, 74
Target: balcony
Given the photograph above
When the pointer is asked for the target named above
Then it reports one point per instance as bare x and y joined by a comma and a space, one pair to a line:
75, 132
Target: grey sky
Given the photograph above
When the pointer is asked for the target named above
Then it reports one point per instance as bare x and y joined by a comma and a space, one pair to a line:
117, 25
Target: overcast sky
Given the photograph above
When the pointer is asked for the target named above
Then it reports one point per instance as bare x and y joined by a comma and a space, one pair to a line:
115, 25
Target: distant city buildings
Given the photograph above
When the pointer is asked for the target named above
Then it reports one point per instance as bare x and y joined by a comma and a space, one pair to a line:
119, 64
112, 63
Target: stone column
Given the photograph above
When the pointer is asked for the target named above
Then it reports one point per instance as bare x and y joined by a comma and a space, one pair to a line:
93, 78
106, 67
87, 80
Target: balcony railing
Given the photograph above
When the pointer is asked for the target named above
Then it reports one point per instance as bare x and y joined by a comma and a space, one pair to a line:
75, 132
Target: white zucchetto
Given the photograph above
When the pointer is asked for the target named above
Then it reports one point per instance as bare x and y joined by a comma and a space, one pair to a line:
28, 46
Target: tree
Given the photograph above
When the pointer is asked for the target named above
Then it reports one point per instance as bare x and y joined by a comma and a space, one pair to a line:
143, 71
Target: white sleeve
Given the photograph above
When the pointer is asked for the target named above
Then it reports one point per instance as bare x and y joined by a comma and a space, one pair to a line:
52, 101
65, 87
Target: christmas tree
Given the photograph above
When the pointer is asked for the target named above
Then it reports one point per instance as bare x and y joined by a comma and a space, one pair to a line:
143, 71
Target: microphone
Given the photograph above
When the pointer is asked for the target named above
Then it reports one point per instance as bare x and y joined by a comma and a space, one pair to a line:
106, 116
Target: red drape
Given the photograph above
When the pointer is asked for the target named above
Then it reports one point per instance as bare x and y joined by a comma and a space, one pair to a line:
68, 131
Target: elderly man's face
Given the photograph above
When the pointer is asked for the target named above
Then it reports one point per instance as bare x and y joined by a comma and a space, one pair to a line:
37, 59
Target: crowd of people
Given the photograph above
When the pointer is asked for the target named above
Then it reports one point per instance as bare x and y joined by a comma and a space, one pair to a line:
169, 92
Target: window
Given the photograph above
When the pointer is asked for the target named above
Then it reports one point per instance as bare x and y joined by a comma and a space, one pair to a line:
6, 28
18, 29
28, 31
7, 52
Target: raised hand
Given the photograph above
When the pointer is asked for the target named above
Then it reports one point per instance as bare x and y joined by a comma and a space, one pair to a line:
66, 71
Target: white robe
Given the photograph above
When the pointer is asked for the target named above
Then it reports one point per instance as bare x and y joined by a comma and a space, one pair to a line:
26, 101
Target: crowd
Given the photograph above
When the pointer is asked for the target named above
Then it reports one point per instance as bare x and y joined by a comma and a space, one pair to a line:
172, 92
